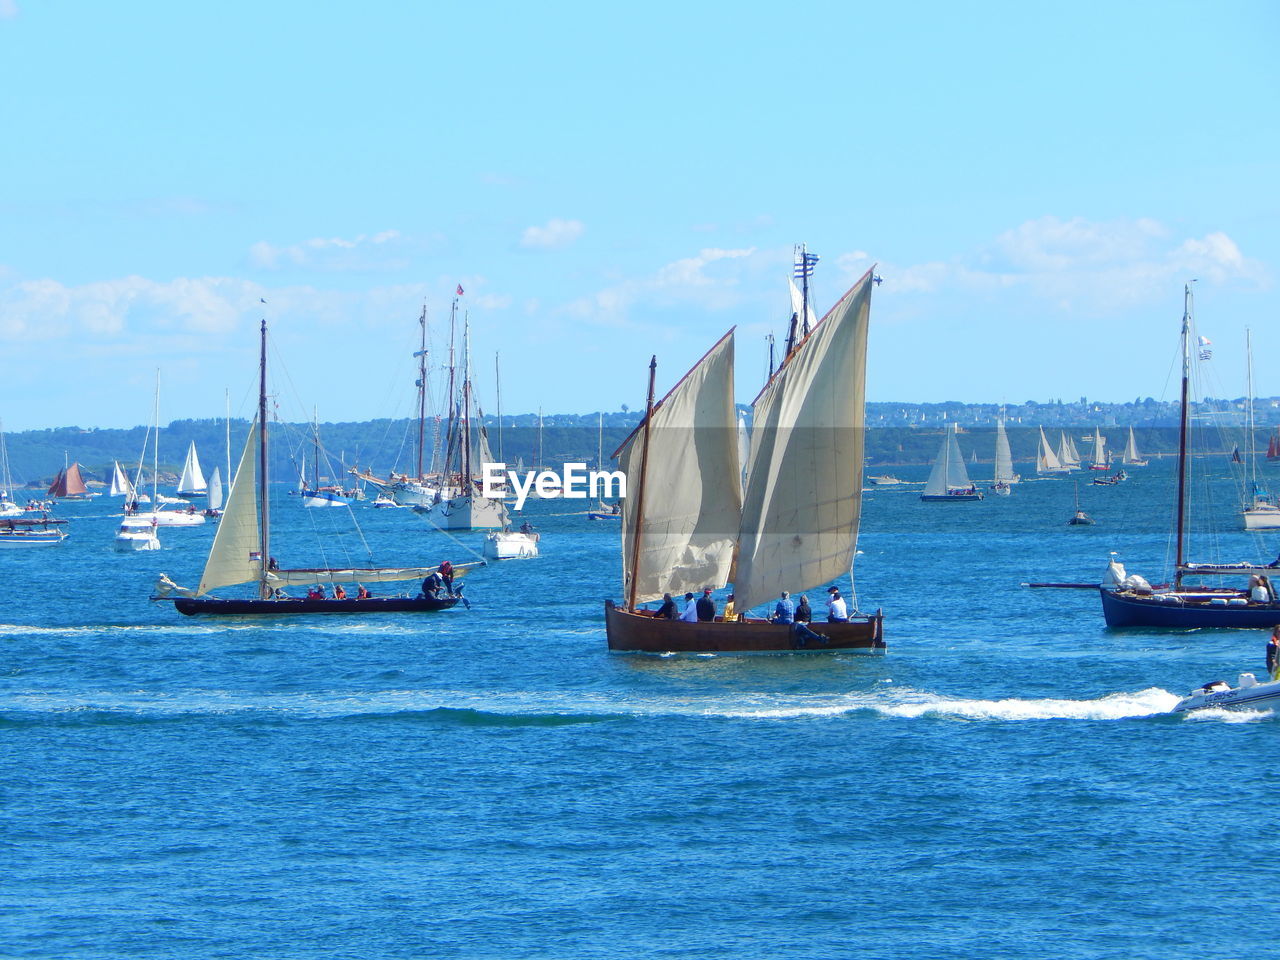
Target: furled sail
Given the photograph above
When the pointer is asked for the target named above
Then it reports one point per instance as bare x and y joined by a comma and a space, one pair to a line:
1047, 461
691, 510
192, 477
803, 499
948, 469
215, 489
1004, 457
235, 556
282, 578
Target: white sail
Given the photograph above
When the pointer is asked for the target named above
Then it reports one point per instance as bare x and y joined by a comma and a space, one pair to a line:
691, 513
192, 478
948, 471
1046, 460
744, 451
234, 557
1131, 455
215, 489
797, 304
120, 485
803, 500
1004, 456
1099, 448
1067, 454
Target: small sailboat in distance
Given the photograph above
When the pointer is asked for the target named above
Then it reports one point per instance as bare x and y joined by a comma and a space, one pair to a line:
192, 481
1080, 518
1004, 478
1047, 462
1131, 456
949, 480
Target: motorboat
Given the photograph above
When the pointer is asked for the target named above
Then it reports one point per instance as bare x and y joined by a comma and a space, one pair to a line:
1247, 692
511, 545
137, 533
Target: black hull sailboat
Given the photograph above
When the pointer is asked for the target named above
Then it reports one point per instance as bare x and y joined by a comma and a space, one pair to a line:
287, 606
241, 554
1131, 602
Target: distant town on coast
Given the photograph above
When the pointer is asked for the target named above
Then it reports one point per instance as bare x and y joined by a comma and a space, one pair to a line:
897, 433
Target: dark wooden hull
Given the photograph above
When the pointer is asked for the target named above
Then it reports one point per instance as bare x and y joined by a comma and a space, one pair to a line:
291, 606
641, 633
1136, 610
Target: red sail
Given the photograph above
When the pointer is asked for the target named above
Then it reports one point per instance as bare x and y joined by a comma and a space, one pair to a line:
68, 483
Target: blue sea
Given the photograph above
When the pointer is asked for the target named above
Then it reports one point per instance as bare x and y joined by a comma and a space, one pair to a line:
1005, 782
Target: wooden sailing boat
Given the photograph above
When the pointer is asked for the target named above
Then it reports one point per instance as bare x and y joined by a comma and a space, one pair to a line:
1080, 518
685, 527
69, 484
241, 552
1004, 478
1131, 456
949, 480
1131, 602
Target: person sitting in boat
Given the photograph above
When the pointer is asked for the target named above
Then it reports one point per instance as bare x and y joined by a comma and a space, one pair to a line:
706, 606
690, 614
837, 610
431, 584
315, 592
784, 610
668, 609
362, 592
338, 592
446, 576
1273, 653
526, 527
729, 611
804, 613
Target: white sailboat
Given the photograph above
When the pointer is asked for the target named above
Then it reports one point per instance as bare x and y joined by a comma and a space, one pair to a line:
1047, 462
1004, 477
1262, 512
949, 480
140, 532
120, 485
1099, 460
189, 517
508, 544
192, 481
213, 506
1067, 453
8, 508
1131, 456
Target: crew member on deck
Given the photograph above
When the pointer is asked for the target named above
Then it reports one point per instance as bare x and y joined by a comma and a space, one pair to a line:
446, 576
785, 609
804, 613
837, 611
706, 606
690, 614
668, 609
1273, 653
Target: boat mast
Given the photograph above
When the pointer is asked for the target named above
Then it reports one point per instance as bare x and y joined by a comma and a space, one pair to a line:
497, 386
644, 469
1182, 434
422, 391
1253, 455
804, 290
155, 450
264, 530
769, 337
466, 401
453, 403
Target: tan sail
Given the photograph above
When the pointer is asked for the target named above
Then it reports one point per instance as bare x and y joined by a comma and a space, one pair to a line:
692, 504
234, 556
68, 483
803, 499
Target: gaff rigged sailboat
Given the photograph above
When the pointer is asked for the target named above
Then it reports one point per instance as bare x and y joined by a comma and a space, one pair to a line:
686, 527
1129, 601
241, 552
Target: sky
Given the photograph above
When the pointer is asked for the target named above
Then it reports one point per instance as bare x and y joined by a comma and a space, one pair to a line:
1035, 184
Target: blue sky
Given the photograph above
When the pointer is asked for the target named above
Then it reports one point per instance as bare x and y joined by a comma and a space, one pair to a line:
1035, 182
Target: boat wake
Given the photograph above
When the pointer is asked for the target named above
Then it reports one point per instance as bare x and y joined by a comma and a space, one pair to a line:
538, 708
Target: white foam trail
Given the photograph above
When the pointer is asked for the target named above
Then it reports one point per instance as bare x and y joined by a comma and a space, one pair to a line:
1116, 706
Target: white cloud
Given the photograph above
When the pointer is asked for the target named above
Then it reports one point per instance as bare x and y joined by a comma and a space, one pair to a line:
363, 252
1077, 264
557, 233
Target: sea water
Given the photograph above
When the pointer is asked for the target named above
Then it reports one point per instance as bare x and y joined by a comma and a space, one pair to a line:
1005, 782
